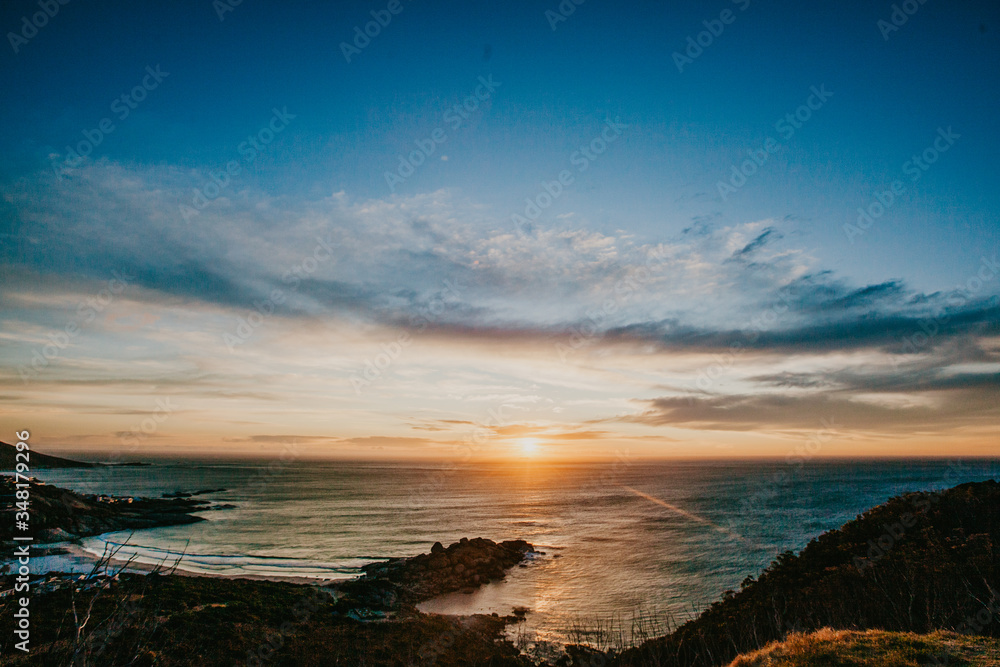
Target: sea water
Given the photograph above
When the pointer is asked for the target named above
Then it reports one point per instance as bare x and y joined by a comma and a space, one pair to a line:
626, 545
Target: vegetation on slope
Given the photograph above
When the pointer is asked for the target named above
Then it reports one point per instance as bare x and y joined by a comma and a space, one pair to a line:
875, 648
8, 460
918, 563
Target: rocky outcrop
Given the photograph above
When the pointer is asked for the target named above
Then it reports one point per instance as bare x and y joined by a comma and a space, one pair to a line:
58, 514
388, 587
464, 565
191, 494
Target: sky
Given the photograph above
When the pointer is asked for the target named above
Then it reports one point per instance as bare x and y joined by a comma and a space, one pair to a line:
492, 230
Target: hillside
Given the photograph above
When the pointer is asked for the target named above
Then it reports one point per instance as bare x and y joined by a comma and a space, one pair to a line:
875, 648
168, 620
36, 460
59, 514
938, 568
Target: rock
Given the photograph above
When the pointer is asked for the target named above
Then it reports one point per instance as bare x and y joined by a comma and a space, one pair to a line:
517, 545
363, 615
462, 566
55, 535
59, 514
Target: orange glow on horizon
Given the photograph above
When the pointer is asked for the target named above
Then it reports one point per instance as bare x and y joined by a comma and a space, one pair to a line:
529, 447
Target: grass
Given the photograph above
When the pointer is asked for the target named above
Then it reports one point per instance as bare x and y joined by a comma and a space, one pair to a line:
874, 648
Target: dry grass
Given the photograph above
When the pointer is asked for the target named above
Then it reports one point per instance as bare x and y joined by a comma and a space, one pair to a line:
874, 648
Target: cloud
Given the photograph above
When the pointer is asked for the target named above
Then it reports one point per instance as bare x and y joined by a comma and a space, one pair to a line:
841, 330
757, 243
962, 408
332, 256
909, 380
334, 273
440, 265
391, 260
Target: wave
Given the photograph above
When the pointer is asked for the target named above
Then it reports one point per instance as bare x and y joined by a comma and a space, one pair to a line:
226, 564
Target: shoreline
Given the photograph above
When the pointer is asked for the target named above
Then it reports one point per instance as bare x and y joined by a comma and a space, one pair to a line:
75, 554
377, 615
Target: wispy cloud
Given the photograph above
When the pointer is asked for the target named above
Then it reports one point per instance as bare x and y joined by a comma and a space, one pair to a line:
797, 339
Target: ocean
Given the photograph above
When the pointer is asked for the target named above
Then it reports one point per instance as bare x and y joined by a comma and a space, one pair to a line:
632, 546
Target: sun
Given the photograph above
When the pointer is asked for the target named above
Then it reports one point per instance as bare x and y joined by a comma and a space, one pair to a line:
529, 446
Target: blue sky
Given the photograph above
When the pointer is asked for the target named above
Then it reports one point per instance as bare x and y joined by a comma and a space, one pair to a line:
653, 193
